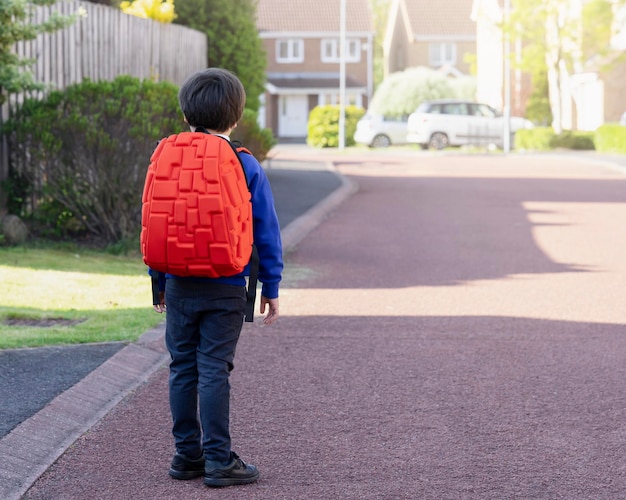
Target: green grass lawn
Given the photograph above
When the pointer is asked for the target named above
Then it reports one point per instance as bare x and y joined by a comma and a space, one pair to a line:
54, 296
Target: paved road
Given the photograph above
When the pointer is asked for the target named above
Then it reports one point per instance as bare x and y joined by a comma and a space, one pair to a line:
455, 329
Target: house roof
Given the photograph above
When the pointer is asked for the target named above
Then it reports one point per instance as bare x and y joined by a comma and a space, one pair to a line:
312, 16
445, 18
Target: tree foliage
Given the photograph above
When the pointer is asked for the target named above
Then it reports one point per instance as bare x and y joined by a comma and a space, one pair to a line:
558, 39
402, 92
16, 26
159, 10
597, 21
234, 43
380, 13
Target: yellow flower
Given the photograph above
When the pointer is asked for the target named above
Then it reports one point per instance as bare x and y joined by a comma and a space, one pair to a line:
159, 10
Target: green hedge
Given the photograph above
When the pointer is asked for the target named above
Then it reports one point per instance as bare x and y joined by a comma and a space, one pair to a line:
611, 139
534, 139
323, 126
79, 156
574, 140
544, 139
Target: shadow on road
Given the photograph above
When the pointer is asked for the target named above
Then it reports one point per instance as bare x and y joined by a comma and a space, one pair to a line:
455, 229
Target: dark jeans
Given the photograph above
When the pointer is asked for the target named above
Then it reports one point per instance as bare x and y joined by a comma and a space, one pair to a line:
204, 321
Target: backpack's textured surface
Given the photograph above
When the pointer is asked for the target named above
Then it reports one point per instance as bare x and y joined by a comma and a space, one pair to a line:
196, 213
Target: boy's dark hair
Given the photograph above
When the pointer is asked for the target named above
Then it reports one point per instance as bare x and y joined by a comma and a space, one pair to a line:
213, 98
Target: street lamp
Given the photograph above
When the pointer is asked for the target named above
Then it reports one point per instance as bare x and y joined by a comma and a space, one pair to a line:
506, 132
342, 74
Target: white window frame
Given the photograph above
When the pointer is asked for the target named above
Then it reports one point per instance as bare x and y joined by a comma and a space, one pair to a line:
332, 99
295, 50
353, 50
442, 53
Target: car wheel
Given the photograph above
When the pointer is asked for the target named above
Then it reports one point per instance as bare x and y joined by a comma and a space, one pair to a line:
438, 140
381, 141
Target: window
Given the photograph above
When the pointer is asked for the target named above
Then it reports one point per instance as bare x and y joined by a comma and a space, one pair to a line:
290, 50
331, 47
455, 108
333, 99
482, 110
441, 54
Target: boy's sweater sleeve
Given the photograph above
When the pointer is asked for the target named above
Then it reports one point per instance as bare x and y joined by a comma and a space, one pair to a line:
266, 228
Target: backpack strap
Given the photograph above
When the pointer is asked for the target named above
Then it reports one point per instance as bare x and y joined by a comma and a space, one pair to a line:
254, 258
252, 282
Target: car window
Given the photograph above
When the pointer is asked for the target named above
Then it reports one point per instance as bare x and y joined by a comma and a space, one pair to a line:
455, 108
395, 119
425, 107
482, 110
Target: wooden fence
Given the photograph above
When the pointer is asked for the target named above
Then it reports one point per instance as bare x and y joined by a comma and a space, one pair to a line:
102, 45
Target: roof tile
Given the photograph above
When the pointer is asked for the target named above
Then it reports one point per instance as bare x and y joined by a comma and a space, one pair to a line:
440, 17
312, 16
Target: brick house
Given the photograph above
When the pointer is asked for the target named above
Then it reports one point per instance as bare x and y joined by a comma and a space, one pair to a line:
302, 42
438, 35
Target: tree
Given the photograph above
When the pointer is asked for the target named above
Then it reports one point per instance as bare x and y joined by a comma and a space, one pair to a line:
159, 10
380, 13
234, 43
559, 37
15, 26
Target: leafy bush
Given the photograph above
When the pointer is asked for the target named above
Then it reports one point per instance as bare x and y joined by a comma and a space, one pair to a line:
323, 126
258, 140
573, 140
611, 138
534, 139
402, 92
544, 138
87, 149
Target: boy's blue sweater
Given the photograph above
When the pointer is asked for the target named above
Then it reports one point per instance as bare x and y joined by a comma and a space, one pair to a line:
266, 235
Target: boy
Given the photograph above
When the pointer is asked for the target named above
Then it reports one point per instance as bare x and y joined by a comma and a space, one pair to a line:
205, 315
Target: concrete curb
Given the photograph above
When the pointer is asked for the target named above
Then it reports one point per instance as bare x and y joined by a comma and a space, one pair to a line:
34, 445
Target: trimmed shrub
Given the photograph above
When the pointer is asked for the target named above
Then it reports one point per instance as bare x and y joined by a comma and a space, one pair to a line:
323, 126
258, 140
569, 139
534, 139
610, 138
85, 151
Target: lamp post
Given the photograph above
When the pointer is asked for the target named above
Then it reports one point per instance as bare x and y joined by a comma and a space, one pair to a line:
342, 74
506, 132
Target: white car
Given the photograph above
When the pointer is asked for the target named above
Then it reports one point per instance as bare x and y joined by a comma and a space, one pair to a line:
377, 131
450, 122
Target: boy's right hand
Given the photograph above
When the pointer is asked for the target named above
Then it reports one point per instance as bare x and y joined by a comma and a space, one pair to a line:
160, 307
272, 314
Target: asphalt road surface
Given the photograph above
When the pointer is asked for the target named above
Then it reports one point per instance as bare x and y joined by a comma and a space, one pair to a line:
454, 330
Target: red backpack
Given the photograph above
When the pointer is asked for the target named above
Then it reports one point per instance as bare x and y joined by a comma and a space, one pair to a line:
196, 213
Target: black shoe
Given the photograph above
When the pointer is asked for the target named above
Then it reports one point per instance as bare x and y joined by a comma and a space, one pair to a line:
235, 472
184, 467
